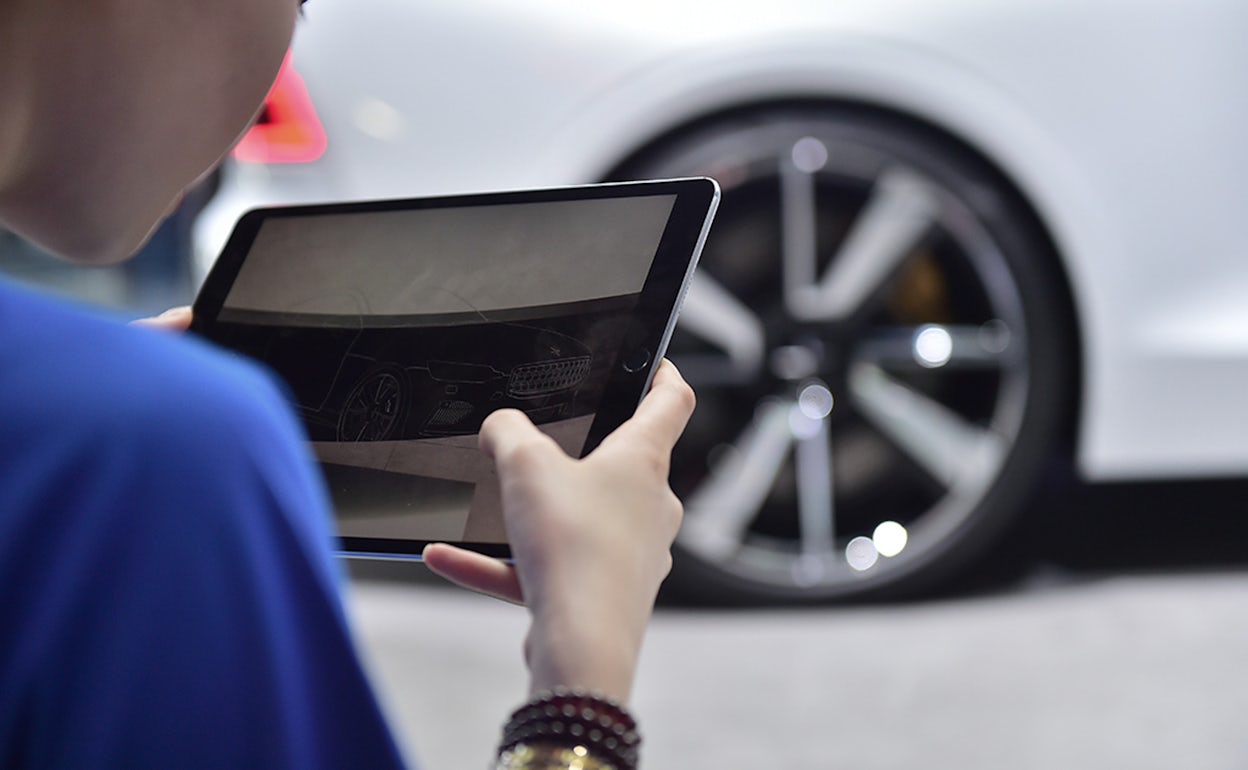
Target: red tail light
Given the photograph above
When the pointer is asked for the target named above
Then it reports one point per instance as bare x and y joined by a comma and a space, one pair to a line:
288, 130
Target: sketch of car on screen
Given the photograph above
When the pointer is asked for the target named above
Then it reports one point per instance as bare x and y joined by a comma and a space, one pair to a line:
356, 382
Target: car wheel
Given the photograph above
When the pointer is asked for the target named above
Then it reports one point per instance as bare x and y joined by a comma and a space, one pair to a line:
877, 335
375, 408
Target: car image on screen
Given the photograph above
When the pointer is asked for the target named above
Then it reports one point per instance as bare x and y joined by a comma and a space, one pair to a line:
958, 241
393, 383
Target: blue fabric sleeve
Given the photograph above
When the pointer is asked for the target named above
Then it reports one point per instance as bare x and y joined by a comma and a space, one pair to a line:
169, 596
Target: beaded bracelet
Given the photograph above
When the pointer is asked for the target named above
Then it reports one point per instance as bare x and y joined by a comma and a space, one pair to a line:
525, 757
571, 717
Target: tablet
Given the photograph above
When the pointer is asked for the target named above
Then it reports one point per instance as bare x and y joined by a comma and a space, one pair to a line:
398, 325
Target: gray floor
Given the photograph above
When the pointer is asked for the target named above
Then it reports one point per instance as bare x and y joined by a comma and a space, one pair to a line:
1128, 671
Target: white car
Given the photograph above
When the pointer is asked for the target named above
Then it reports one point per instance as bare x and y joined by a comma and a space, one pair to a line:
957, 239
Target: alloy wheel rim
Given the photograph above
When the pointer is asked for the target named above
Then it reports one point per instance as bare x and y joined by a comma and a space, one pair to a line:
372, 409
833, 366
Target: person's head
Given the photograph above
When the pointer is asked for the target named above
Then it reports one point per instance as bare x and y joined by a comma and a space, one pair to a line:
112, 108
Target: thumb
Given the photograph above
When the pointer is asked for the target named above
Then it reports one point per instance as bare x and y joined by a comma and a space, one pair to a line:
474, 571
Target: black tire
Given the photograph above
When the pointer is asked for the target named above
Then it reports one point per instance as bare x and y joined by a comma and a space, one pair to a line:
919, 391
375, 408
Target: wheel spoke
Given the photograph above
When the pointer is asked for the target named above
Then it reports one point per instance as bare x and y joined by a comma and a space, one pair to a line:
901, 209
933, 346
388, 390
358, 415
816, 507
955, 452
799, 242
712, 313
718, 513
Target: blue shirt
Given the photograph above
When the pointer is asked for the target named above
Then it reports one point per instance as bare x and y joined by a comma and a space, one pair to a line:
168, 596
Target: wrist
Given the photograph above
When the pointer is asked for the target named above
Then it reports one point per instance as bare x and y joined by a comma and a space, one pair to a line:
589, 637
586, 656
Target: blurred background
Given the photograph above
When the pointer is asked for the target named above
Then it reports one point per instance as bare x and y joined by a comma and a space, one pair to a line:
966, 483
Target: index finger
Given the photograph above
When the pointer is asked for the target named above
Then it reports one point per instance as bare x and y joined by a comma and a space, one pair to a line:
506, 431
665, 411
176, 319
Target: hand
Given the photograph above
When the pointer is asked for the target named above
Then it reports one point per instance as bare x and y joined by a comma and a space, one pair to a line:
591, 539
177, 319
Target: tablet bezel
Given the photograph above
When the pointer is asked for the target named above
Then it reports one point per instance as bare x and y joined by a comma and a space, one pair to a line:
649, 330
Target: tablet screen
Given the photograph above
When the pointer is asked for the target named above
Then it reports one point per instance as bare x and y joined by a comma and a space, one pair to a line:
397, 329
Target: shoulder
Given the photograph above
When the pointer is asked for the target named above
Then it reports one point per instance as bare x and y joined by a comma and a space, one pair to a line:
147, 415
73, 369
